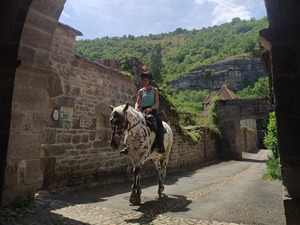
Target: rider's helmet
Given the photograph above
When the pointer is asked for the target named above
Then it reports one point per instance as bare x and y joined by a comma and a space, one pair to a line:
148, 75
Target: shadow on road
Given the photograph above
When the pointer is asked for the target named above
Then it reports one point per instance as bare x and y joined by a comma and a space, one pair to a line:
151, 209
254, 160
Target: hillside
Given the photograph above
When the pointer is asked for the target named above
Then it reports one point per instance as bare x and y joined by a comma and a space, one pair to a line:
183, 50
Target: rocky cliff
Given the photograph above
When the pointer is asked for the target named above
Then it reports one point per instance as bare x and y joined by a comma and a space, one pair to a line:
134, 63
236, 72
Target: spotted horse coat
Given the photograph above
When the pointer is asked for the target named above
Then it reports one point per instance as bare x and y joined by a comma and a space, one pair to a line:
139, 139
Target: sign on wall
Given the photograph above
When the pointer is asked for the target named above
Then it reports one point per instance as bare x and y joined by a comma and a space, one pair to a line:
85, 122
66, 114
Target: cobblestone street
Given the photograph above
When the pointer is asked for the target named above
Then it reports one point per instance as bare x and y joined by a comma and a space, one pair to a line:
58, 212
187, 202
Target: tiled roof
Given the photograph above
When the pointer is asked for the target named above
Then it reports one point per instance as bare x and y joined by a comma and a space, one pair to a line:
204, 113
209, 98
224, 93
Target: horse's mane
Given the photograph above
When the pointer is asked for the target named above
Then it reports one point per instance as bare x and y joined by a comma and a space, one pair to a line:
119, 110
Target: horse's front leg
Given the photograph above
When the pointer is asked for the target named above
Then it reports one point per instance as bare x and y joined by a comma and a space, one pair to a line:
136, 191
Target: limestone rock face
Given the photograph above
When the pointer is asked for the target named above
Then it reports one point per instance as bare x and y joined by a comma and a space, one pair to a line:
236, 72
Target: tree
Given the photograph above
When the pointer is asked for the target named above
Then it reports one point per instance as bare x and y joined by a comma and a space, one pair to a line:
156, 63
260, 90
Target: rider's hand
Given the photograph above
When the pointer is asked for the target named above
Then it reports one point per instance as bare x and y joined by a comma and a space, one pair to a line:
148, 110
137, 109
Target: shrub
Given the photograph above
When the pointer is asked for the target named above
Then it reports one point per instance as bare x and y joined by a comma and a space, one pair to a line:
270, 141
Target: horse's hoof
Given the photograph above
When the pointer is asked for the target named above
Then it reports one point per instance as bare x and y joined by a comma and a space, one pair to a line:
135, 201
158, 196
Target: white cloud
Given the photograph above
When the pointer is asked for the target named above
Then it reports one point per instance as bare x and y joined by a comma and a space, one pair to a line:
199, 2
225, 10
68, 16
140, 17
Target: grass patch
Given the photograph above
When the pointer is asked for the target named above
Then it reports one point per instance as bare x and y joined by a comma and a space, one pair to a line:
273, 169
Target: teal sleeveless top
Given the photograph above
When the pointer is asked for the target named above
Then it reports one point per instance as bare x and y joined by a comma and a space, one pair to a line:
148, 99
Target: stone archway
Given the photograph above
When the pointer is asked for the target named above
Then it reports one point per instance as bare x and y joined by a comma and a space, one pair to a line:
27, 32
230, 113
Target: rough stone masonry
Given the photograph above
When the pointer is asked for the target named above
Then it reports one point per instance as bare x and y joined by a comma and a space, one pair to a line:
75, 148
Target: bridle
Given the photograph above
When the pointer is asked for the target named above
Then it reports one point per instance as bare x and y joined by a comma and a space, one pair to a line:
126, 125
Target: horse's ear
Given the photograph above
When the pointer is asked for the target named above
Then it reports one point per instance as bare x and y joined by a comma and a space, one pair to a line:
126, 107
110, 106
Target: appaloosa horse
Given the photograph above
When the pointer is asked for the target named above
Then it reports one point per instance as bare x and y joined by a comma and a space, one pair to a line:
139, 139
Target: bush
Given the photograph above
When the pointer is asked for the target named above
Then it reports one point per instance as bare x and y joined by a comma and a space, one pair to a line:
270, 141
273, 169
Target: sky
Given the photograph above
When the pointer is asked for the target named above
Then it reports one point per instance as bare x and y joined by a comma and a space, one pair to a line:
115, 18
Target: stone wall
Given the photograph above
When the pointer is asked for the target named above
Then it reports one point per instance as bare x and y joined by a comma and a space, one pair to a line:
72, 150
231, 112
236, 72
248, 139
78, 150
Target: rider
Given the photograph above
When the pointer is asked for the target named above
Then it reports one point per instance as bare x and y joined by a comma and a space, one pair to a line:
149, 97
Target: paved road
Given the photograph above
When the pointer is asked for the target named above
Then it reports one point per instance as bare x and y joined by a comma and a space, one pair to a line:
229, 192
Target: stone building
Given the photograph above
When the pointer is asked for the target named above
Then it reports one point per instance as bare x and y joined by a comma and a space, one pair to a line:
78, 147
248, 137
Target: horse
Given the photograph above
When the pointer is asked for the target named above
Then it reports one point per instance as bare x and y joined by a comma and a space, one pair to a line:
139, 140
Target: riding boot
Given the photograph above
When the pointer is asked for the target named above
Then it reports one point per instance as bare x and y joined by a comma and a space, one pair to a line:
124, 150
160, 140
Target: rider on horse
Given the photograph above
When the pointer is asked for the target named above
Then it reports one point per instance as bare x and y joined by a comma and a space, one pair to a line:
148, 98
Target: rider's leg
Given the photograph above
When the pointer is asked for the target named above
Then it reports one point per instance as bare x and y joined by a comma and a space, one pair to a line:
160, 132
160, 139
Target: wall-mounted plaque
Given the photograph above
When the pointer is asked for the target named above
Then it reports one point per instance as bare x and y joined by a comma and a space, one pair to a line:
85, 122
55, 114
66, 114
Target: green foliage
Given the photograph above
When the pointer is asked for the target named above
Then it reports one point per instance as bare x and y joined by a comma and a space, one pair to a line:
126, 67
262, 124
273, 169
189, 104
260, 90
182, 50
270, 140
156, 62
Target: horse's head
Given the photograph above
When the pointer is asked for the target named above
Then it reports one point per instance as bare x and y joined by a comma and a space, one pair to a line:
119, 123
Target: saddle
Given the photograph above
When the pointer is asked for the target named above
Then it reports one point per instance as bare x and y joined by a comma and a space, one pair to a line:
151, 123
